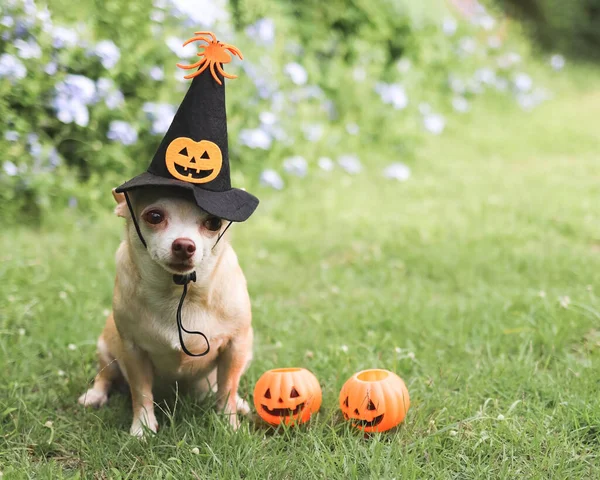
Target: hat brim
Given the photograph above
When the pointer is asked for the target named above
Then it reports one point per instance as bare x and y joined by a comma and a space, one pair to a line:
234, 205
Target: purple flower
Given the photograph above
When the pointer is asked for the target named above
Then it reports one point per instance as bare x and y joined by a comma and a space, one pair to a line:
449, 26
297, 73
392, 94
350, 163
161, 115
262, 30
295, 166
72, 202
522, 82
270, 178
11, 136
467, 46
397, 171
11, 67
352, 128
267, 118
108, 91
120, 131
255, 138
7, 21
63, 37
108, 53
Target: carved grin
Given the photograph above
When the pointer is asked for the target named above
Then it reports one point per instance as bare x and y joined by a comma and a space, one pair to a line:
283, 412
367, 423
192, 172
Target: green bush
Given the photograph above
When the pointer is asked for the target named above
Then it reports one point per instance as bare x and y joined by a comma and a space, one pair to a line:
84, 105
570, 26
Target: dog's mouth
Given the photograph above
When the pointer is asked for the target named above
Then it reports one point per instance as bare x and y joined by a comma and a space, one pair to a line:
367, 423
283, 412
180, 267
193, 172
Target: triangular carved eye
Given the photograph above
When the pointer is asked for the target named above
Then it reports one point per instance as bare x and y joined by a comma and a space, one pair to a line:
294, 393
204, 155
371, 406
184, 151
346, 403
268, 393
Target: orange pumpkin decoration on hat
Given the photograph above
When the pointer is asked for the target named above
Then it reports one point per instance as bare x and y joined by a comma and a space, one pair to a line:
287, 395
374, 400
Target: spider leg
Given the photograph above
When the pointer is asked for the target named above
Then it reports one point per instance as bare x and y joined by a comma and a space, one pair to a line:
195, 74
233, 50
195, 65
223, 72
193, 39
215, 76
212, 35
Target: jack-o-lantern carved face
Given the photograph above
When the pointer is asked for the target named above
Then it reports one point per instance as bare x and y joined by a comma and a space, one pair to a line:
287, 395
194, 162
374, 400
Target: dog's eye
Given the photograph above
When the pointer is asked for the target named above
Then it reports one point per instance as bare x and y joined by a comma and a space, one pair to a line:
213, 223
154, 217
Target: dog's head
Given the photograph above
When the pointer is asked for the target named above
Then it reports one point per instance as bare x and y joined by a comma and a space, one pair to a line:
179, 235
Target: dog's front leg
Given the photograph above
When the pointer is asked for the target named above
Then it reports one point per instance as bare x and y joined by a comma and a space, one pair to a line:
232, 362
137, 368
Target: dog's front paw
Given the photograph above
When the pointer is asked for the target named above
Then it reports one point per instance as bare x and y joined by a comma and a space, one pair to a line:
93, 398
143, 425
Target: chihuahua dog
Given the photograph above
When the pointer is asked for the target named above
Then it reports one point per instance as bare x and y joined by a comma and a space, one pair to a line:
140, 342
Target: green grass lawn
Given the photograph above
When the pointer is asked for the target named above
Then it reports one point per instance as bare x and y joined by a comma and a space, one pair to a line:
451, 279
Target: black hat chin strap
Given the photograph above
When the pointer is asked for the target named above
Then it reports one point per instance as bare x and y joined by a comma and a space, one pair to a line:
178, 280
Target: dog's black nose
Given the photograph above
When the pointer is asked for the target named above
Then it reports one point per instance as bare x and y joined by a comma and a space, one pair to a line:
183, 248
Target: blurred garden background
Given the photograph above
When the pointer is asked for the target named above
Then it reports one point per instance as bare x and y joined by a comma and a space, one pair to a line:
428, 174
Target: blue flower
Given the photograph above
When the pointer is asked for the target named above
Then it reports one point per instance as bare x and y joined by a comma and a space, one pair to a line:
10, 168
313, 133
397, 171
203, 12
350, 163
522, 82
63, 37
262, 30
297, 73
108, 53
255, 138
156, 73
392, 94
7, 21
557, 62
51, 68
449, 26
11, 136
326, 163
28, 49
123, 132
73, 95
11, 67
108, 91
434, 123
176, 46
295, 165
270, 178
161, 115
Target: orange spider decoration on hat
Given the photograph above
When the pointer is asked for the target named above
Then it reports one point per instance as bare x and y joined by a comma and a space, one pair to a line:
213, 54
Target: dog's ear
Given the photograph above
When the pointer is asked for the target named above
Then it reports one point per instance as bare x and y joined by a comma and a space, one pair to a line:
121, 208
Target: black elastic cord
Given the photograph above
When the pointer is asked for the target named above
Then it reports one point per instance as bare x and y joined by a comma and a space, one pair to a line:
137, 227
185, 279
221, 235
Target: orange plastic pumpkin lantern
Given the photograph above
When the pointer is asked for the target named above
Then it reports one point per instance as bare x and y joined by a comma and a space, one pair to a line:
287, 395
374, 400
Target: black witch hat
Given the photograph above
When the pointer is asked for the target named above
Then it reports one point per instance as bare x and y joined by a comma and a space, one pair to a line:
194, 154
